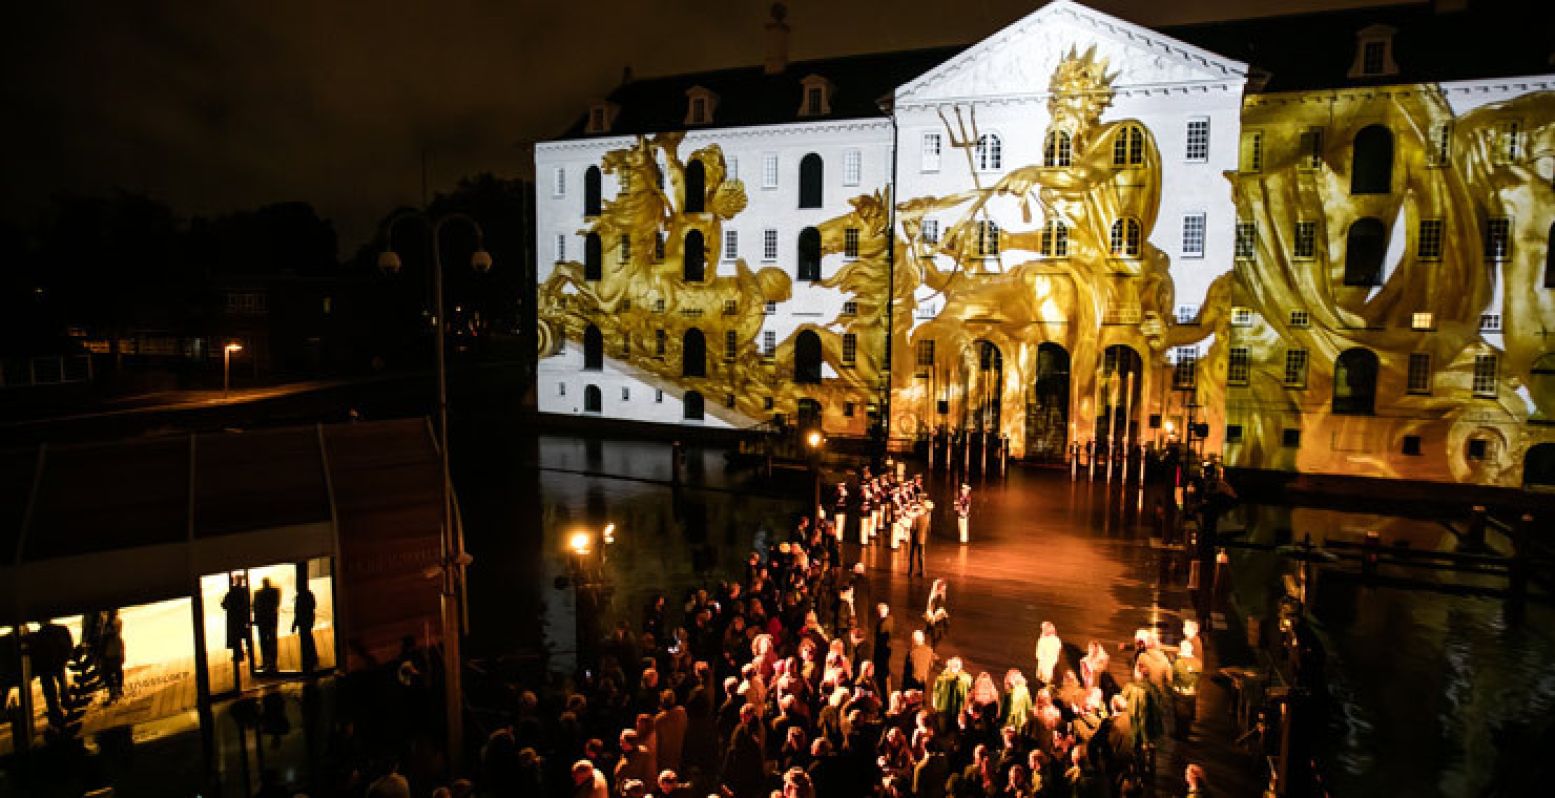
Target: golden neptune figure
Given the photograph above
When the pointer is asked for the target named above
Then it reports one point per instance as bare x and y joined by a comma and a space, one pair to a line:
1055, 279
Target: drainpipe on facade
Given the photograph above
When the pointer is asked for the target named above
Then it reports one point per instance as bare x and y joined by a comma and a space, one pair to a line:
889, 106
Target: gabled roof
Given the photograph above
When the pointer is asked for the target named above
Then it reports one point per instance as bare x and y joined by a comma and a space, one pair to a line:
1316, 50
747, 96
1019, 59
1295, 51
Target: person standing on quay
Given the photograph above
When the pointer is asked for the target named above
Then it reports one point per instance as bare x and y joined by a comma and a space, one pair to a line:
963, 509
840, 510
267, 617
920, 536
236, 604
1049, 650
303, 612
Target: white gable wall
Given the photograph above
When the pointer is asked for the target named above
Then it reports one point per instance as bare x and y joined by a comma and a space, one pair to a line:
1003, 84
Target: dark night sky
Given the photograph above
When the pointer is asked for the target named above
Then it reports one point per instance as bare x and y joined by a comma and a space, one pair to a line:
217, 105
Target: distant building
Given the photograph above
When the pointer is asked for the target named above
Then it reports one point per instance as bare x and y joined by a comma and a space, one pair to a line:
1316, 243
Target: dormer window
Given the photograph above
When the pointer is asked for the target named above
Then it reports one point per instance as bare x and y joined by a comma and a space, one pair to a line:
816, 96
1374, 52
602, 116
700, 106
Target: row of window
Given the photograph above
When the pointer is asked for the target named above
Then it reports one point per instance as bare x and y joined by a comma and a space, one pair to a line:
987, 152
1371, 153
1126, 239
693, 251
1290, 438
811, 179
1128, 148
694, 406
1355, 375
1366, 244
693, 348
1371, 164
1422, 321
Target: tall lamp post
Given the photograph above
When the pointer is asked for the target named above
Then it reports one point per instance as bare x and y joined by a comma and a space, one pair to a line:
226, 368
813, 441
451, 544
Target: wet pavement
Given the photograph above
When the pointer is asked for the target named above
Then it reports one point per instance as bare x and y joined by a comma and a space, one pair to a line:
1427, 686
1433, 693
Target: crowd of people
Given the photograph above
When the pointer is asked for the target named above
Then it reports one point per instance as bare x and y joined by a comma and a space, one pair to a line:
788, 681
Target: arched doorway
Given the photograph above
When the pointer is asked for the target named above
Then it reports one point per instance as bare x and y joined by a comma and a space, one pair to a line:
807, 358
809, 254
1539, 467
693, 354
696, 187
1371, 163
693, 263
1541, 387
986, 397
1355, 383
1047, 413
809, 413
691, 406
1119, 407
593, 349
593, 401
810, 180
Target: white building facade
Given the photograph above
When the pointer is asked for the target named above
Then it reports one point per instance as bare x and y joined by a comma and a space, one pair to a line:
1077, 234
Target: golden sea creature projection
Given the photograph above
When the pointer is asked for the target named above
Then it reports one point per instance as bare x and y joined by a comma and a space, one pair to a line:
1368, 171
669, 310
1037, 331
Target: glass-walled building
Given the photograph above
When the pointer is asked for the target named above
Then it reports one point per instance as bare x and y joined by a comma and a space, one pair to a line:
152, 577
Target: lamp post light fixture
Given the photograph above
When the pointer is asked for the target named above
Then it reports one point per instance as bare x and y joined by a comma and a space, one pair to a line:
226, 367
814, 440
451, 543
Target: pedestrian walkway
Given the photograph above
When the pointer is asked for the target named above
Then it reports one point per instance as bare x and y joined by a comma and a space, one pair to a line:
1077, 555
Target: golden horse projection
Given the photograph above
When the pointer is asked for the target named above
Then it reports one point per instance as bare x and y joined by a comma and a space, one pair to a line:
1070, 271
641, 295
1462, 170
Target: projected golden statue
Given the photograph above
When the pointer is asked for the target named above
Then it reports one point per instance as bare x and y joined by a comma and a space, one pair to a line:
655, 296
1041, 331
1386, 221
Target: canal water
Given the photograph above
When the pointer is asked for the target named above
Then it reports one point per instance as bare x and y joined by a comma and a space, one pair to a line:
1433, 694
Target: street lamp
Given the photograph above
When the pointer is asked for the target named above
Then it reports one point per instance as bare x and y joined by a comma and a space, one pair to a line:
813, 442
226, 368
451, 545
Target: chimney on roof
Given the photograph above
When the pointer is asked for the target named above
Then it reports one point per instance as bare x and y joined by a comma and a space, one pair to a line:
626, 74
777, 41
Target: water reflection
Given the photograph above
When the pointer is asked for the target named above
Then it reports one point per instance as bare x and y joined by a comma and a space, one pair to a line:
1431, 692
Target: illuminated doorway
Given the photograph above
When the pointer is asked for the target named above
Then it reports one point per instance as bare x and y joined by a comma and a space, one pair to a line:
807, 358
809, 414
252, 635
1539, 468
987, 388
1047, 412
1119, 406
